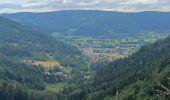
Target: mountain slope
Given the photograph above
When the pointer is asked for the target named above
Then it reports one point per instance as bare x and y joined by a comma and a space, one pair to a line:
95, 23
137, 76
14, 32
22, 41
19, 44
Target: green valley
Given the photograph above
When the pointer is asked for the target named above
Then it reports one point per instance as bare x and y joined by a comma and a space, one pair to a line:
85, 55
103, 48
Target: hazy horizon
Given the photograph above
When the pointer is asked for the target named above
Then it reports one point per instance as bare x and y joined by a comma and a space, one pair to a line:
13, 6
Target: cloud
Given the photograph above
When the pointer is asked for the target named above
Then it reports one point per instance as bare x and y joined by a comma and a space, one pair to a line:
8, 6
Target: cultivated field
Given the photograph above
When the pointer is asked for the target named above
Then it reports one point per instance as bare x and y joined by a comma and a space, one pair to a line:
46, 64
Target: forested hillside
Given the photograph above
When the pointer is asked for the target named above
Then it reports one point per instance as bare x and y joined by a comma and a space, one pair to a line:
20, 41
144, 75
20, 80
95, 23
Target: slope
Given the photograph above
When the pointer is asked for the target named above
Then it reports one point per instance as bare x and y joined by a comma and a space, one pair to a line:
136, 77
18, 43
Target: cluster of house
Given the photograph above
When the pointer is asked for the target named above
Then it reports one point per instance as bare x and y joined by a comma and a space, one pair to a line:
56, 74
104, 50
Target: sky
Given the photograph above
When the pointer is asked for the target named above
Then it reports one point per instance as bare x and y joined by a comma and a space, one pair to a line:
11, 6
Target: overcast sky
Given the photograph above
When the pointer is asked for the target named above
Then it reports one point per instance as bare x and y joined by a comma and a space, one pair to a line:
8, 6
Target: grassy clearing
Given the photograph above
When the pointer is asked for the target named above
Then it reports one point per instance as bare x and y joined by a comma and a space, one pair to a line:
55, 87
67, 70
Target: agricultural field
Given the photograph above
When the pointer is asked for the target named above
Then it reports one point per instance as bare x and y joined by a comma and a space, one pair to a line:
45, 64
110, 48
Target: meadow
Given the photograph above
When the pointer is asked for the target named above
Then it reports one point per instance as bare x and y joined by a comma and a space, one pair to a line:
45, 64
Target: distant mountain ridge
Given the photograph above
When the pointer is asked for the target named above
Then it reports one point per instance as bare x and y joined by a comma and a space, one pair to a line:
94, 23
